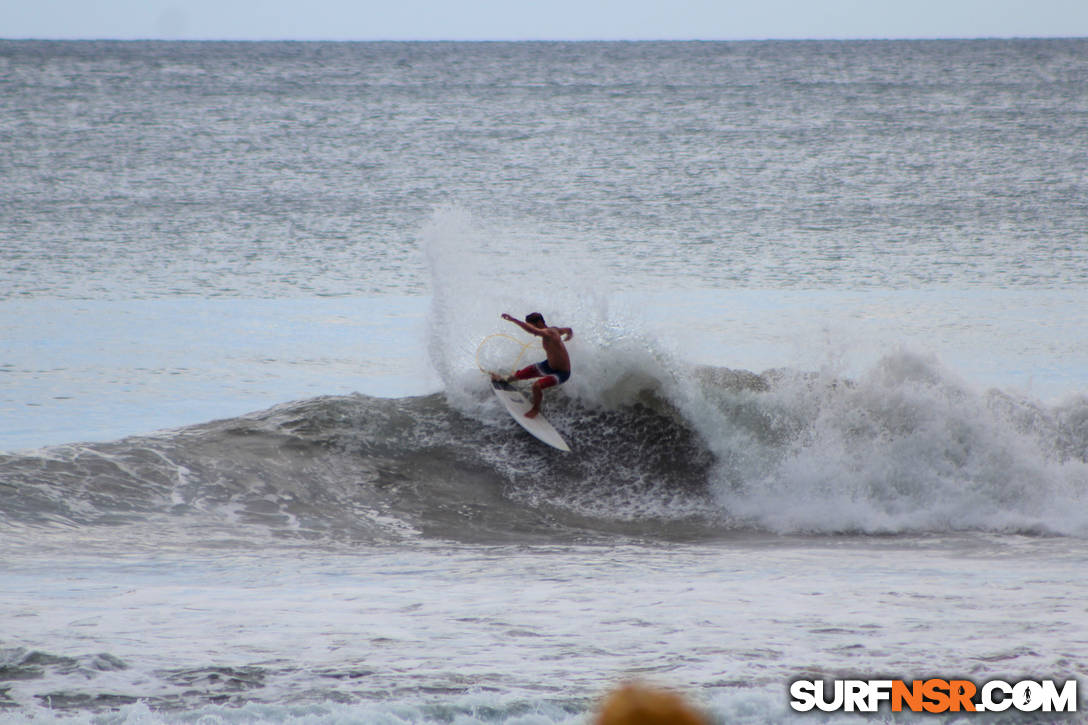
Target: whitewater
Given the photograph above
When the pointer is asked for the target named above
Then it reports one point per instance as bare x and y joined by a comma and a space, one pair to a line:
828, 407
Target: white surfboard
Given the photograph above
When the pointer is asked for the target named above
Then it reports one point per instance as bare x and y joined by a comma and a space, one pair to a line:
518, 405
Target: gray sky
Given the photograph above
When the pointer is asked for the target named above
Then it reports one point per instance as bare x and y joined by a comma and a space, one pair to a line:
540, 19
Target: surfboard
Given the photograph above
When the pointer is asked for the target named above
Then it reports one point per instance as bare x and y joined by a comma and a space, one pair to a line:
518, 405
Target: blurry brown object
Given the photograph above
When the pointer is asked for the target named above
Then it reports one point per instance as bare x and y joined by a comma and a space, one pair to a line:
634, 704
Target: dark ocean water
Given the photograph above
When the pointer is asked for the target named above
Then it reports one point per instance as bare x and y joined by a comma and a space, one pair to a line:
258, 169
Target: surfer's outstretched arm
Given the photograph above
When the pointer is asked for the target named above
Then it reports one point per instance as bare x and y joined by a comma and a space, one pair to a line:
523, 325
565, 332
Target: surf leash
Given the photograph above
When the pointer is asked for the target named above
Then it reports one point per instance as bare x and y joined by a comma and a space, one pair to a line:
513, 369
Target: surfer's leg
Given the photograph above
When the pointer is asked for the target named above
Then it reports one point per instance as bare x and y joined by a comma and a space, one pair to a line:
538, 393
529, 372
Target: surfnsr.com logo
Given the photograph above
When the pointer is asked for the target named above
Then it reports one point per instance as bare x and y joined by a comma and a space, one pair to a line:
934, 695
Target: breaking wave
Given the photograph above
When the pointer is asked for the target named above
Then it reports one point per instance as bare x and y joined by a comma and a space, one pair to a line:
711, 451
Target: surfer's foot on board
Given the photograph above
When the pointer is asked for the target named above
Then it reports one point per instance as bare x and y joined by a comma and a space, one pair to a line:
532, 413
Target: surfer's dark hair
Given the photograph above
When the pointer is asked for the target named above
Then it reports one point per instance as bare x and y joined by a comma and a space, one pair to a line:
534, 318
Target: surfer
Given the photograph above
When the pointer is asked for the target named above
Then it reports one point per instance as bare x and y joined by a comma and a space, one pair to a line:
555, 370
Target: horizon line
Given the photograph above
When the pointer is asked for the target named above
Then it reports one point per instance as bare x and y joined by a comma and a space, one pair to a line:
751, 39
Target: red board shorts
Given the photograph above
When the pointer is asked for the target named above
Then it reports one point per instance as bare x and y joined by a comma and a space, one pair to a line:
543, 370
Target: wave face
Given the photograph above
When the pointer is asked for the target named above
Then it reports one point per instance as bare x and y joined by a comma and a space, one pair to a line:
372, 469
702, 453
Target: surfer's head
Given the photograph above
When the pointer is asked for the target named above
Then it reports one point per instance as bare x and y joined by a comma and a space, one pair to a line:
536, 319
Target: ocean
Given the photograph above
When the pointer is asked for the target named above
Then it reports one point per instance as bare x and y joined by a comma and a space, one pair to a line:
828, 410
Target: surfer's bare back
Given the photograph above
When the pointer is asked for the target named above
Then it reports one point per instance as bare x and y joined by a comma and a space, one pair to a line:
555, 370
